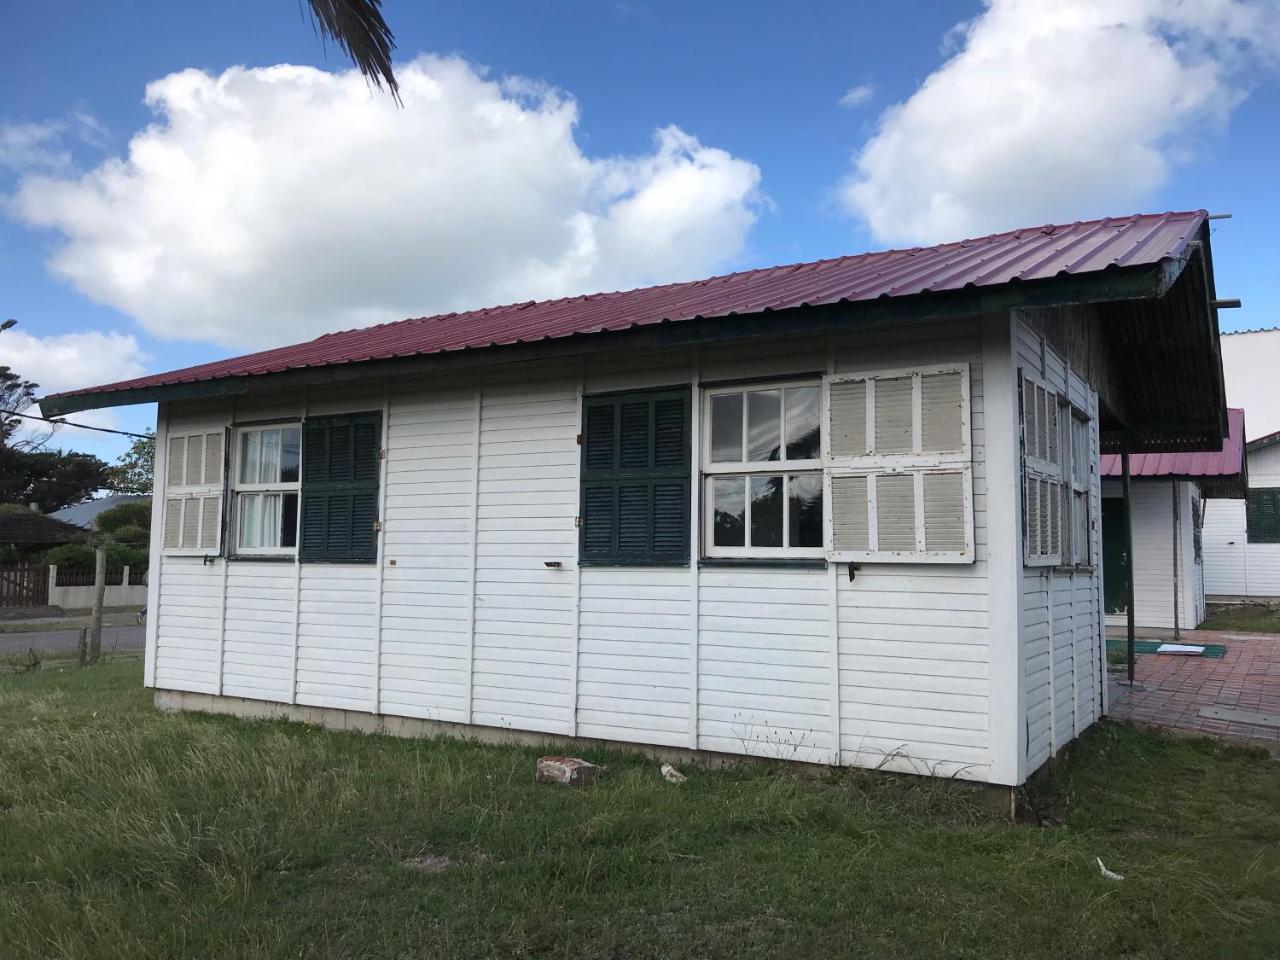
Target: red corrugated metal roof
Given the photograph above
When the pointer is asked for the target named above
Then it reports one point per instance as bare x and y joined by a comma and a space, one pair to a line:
1227, 462
1032, 253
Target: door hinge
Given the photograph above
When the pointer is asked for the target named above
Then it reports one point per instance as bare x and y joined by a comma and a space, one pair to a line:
577, 521
382, 454
579, 439
377, 524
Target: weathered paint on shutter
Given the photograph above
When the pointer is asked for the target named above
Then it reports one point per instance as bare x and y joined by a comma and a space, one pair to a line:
849, 513
941, 413
177, 457
210, 520
944, 511
896, 511
340, 470
190, 523
213, 458
635, 478
172, 523
848, 416
893, 415
195, 459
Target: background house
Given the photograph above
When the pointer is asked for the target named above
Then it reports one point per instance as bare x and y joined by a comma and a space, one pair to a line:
1171, 492
843, 512
86, 514
1242, 537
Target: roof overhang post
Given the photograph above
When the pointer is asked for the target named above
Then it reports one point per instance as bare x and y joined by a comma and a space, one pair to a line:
1128, 551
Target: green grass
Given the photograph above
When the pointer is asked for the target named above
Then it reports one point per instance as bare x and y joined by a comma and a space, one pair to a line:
125, 833
1242, 618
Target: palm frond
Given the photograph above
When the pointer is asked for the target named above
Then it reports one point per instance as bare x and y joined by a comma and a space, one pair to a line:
358, 28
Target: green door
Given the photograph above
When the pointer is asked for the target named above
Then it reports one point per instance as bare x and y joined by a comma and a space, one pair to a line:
1115, 557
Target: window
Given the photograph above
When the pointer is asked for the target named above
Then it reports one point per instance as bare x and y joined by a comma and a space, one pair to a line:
193, 492
267, 463
1262, 515
635, 478
901, 475
341, 463
762, 470
1057, 470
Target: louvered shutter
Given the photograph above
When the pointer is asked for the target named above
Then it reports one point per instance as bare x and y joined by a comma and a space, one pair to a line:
635, 478
1262, 515
899, 466
172, 523
1044, 475
341, 464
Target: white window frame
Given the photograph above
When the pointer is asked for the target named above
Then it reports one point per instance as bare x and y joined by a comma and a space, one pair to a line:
917, 464
1077, 489
238, 489
1039, 470
189, 495
710, 471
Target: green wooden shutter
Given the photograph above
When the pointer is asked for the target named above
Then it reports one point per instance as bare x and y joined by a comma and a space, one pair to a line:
635, 478
340, 468
1262, 515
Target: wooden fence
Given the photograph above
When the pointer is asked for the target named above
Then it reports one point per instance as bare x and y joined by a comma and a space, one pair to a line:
24, 585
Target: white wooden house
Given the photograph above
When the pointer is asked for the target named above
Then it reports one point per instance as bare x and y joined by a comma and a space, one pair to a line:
1170, 495
1242, 537
843, 512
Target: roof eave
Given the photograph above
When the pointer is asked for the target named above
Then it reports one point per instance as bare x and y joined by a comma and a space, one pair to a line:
1108, 285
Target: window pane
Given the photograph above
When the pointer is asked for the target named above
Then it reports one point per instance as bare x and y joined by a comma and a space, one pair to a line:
250, 524
250, 446
726, 428
289, 521
269, 468
764, 422
804, 493
290, 447
270, 520
803, 437
766, 511
730, 511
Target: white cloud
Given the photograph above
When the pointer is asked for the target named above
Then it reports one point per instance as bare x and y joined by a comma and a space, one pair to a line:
268, 205
1057, 109
857, 96
71, 360
42, 147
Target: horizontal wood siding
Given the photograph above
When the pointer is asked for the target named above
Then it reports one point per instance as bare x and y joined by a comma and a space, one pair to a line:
188, 625
633, 655
429, 524
528, 498
337, 633
258, 633
764, 681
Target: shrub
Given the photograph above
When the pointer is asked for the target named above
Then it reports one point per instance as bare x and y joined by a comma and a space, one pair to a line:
134, 513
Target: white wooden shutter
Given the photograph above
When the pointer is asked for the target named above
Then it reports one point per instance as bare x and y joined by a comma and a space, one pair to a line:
194, 480
1042, 474
213, 458
172, 523
899, 469
176, 459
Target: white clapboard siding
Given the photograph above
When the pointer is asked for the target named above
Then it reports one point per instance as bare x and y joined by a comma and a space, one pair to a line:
337, 631
258, 632
426, 596
764, 681
1059, 615
188, 624
633, 655
522, 674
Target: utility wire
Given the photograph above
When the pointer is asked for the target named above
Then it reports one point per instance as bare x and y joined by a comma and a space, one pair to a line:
67, 423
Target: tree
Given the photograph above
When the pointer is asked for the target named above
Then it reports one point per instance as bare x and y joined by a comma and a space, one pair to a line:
17, 394
132, 472
358, 28
51, 478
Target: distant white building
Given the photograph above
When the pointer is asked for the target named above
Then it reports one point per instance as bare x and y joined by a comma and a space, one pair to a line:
1242, 537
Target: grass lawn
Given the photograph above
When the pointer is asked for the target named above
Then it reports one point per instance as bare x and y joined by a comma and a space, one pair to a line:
1242, 618
125, 833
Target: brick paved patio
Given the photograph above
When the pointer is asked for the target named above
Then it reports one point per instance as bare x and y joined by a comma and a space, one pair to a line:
1175, 689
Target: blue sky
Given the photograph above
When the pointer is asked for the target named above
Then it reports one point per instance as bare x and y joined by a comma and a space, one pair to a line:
187, 254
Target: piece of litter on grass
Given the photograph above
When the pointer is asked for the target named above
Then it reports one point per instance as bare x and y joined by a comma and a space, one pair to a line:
672, 775
1181, 649
1109, 874
429, 863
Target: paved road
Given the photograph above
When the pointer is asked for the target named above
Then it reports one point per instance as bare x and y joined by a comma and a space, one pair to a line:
131, 637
